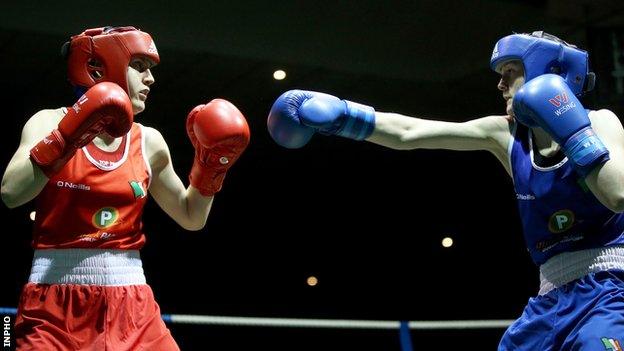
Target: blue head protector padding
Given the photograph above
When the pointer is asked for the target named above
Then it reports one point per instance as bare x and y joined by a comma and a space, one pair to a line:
543, 53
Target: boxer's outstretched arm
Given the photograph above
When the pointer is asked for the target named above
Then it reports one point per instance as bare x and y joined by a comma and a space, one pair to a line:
23, 180
185, 205
297, 115
401, 132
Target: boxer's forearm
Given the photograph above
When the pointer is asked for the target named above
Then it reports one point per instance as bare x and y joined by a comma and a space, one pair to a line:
187, 206
198, 206
406, 133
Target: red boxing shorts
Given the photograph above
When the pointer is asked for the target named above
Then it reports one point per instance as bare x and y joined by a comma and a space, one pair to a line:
69, 316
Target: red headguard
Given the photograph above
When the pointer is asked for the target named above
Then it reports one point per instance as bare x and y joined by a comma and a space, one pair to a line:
103, 55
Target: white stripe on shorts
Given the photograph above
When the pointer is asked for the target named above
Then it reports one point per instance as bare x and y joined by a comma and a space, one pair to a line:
87, 267
568, 266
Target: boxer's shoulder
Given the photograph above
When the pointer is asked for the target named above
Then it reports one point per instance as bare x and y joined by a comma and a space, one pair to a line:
46, 119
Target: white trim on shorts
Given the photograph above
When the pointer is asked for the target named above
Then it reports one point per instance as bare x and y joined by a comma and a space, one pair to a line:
87, 267
568, 266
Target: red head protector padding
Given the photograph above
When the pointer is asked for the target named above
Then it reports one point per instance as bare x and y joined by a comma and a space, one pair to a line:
103, 55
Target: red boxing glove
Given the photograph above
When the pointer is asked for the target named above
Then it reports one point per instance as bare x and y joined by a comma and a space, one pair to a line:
104, 107
220, 134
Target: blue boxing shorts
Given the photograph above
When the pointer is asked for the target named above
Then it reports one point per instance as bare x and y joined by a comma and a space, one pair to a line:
586, 314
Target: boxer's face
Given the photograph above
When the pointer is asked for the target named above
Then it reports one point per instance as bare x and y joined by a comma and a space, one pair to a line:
139, 80
512, 78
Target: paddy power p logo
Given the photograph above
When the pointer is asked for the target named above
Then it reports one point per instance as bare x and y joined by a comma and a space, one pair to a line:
105, 217
561, 221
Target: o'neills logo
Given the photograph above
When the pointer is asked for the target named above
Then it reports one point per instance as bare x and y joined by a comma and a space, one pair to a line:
70, 185
525, 197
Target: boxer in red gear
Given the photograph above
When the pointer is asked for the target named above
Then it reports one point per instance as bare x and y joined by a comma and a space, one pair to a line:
89, 167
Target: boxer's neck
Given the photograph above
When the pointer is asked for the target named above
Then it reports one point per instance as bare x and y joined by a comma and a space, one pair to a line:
106, 142
543, 143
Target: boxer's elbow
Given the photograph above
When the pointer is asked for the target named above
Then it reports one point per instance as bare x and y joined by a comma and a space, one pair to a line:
616, 203
10, 196
193, 224
193, 227
610, 198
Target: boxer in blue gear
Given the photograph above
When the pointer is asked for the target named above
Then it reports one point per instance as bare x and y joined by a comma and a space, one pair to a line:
567, 166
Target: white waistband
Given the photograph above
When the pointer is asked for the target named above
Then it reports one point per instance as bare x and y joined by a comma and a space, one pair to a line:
568, 266
87, 267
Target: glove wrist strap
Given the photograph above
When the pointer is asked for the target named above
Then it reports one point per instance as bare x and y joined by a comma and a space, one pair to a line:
51, 153
359, 121
586, 150
208, 179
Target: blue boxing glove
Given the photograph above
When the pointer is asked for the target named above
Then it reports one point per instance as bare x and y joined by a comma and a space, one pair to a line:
297, 114
546, 101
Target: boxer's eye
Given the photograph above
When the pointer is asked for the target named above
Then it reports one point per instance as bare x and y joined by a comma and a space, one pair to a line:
139, 65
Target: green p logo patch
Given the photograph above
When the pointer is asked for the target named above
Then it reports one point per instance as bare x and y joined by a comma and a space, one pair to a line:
561, 221
105, 217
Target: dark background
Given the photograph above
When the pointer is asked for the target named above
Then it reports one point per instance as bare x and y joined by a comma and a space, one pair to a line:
367, 221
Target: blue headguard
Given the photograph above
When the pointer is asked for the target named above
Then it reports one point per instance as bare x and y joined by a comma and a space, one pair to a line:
543, 53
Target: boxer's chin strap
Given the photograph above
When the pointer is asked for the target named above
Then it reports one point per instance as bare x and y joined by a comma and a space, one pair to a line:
590, 82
